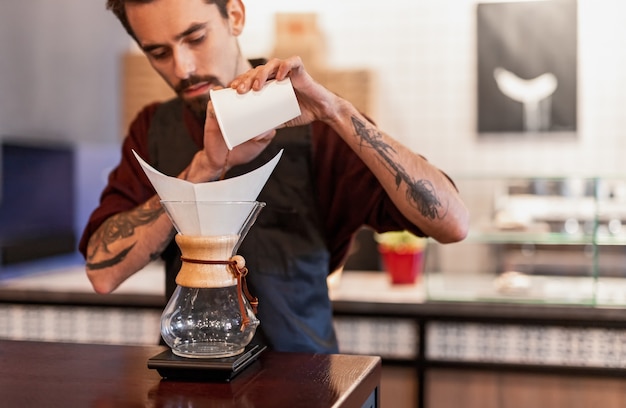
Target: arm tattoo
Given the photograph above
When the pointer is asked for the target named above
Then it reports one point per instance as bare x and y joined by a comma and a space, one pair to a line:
111, 261
118, 227
420, 194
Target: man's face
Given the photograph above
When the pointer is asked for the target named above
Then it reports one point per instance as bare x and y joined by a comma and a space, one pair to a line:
189, 44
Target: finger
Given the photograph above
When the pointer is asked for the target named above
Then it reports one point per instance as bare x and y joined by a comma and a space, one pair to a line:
263, 137
210, 111
243, 83
256, 78
259, 77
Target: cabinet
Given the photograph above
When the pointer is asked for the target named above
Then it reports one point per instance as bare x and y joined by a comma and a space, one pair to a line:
549, 239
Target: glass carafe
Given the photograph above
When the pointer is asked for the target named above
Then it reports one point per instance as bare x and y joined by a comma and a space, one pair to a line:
209, 314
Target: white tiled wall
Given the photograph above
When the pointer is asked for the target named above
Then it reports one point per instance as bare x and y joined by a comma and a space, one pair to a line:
389, 338
105, 325
536, 345
423, 53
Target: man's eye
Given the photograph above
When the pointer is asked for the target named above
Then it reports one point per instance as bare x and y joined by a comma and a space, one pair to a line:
158, 55
196, 40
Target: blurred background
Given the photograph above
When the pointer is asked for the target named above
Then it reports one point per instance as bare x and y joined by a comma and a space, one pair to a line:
62, 80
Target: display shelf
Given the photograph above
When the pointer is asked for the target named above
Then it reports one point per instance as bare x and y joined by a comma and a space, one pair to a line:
548, 239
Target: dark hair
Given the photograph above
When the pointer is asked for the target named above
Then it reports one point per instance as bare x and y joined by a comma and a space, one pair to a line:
118, 7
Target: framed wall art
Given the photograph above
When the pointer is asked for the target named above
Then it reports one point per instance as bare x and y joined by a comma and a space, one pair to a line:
527, 69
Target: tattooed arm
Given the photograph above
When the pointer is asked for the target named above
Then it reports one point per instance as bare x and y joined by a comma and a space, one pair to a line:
420, 191
125, 243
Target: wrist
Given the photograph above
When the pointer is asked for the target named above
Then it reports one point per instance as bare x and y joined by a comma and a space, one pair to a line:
341, 114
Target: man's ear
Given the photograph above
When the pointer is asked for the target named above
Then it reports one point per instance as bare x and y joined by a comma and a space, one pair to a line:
236, 16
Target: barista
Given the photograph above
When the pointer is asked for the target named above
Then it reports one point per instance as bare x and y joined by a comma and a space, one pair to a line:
338, 173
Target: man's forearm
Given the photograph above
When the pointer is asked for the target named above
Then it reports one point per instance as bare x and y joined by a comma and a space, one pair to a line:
125, 243
419, 190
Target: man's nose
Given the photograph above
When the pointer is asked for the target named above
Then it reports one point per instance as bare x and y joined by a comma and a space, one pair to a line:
184, 64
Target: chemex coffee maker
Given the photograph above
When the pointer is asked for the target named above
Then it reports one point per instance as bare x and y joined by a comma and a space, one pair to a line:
211, 313
209, 321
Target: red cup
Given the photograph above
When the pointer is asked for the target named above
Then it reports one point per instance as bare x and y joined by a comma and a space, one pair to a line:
403, 267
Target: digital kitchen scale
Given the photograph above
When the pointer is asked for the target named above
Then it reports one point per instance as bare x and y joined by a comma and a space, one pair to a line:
173, 367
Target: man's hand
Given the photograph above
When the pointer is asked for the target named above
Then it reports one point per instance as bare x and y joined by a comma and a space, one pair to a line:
216, 150
316, 102
214, 160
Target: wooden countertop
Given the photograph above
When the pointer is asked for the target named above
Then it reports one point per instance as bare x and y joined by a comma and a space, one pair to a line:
34, 374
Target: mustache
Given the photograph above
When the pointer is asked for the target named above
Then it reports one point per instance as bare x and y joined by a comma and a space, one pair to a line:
195, 79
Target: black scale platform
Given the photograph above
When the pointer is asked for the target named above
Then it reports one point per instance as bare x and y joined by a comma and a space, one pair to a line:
173, 367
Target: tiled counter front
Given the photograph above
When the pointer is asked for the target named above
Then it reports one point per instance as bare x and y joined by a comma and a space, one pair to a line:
538, 345
467, 343
76, 324
395, 339
374, 317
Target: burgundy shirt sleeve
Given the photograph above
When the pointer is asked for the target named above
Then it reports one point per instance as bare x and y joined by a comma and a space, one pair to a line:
127, 185
350, 196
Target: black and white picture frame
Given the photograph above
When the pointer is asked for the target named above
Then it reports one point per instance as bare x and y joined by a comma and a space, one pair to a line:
527, 68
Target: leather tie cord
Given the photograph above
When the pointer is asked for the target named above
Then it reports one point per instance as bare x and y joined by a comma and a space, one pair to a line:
240, 275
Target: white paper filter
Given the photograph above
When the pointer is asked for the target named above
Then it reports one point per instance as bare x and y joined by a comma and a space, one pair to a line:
198, 211
209, 218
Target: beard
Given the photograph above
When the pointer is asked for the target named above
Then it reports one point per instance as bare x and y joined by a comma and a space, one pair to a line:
198, 104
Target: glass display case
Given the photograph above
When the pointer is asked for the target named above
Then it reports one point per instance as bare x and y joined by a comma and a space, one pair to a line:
559, 240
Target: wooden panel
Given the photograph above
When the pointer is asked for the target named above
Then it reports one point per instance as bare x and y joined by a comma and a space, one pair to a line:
398, 387
355, 85
478, 389
299, 34
141, 85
